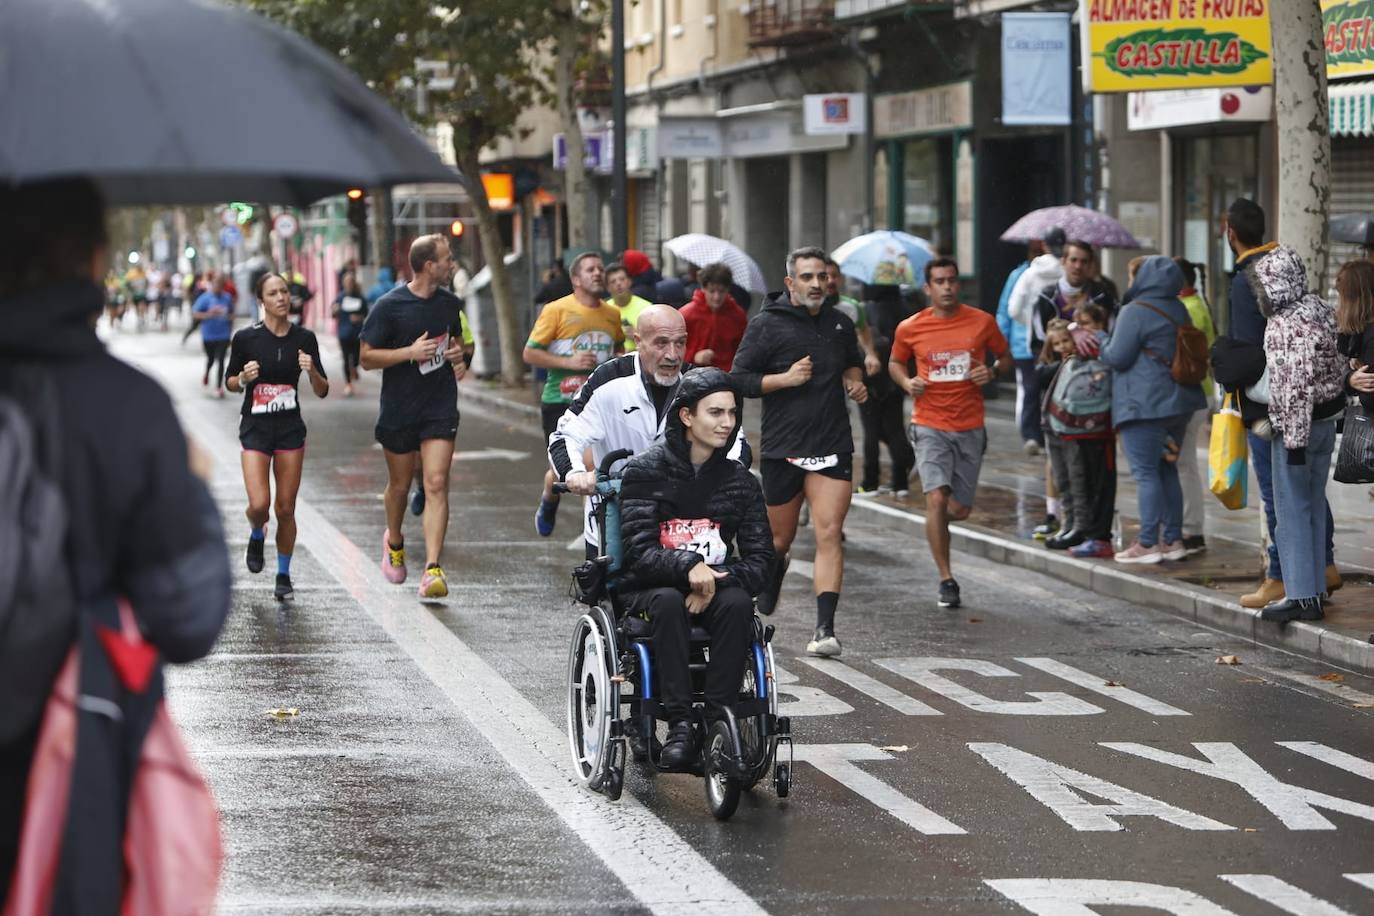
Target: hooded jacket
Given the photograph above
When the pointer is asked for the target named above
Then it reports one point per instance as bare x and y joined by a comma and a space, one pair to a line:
1140, 350
139, 523
667, 503
720, 331
809, 420
1306, 372
1247, 322
1043, 271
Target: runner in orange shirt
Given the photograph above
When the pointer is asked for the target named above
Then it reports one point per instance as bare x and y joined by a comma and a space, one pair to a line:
950, 343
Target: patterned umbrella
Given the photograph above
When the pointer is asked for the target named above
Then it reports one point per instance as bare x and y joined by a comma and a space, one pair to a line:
884, 258
702, 249
1091, 226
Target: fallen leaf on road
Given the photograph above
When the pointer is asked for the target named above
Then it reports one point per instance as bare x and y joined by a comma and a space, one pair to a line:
975, 620
1110, 684
1332, 677
1363, 705
896, 748
1228, 660
284, 712
1252, 830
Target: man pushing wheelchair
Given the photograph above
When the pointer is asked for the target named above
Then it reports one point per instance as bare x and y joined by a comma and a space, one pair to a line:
698, 549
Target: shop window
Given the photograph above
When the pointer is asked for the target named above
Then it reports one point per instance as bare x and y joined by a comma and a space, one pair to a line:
927, 193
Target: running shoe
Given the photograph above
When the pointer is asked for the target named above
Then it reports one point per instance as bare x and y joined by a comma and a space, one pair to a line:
1096, 549
949, 594
545, 517
1032, 448
1139, 553
1047, 528
433, 584
417, 501
767, 601
283, 590
825, 645
253, 557
866, 491
1174, 551
393, 560
1195, 543
902, 494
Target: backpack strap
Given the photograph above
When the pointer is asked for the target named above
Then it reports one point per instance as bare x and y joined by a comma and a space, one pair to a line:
1165, 315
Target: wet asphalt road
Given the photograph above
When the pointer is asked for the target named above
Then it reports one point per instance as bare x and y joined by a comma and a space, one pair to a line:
970, 761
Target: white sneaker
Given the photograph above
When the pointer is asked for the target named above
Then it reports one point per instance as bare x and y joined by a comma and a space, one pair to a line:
1031, 447
1174, 551
825, 645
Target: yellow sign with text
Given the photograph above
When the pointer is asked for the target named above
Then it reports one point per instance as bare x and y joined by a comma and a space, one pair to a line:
1177, 44
1348, 31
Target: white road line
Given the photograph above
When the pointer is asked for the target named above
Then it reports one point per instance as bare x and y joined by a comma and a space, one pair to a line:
1356, 765
1099, 686
871, 687
1282, 895
1334, 688
661, 870
804, 568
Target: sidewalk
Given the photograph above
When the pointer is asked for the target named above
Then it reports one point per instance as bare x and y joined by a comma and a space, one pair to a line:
1205, 588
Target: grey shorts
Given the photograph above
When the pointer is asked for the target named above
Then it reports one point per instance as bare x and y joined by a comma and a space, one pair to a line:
945, 459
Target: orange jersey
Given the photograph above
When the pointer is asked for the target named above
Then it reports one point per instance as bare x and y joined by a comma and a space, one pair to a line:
946, 350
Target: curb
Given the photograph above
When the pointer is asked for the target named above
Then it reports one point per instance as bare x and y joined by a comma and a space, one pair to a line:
1189, 602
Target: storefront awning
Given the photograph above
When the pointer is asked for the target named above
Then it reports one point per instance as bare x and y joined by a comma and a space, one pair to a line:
1352, 109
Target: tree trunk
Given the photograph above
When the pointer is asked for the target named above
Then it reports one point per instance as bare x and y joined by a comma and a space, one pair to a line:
1304, 137
575, 172
494, 249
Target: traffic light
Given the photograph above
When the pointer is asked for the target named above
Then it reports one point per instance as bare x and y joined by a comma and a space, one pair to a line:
357, 218
456, 228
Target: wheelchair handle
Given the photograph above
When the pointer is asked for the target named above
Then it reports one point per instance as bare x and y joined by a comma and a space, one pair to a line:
604, 471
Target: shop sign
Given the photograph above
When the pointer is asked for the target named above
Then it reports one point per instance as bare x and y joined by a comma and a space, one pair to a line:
592, 150
924, 111
834, 113
1035, 68
1348, 30
690, 138
1175, 44
1180, 107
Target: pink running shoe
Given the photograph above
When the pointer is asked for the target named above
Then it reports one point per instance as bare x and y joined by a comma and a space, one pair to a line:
393, 560
1174, 551
1139, 553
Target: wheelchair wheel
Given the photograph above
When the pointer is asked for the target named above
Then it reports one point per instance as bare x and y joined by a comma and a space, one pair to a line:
754, 745
722, 791
593, 702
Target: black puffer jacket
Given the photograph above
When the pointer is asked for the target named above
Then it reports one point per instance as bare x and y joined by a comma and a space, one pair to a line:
661, 486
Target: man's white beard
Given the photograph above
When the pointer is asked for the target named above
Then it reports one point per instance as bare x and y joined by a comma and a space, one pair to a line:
668, 379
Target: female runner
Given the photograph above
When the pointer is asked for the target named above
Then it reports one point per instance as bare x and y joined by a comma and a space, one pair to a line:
265, 363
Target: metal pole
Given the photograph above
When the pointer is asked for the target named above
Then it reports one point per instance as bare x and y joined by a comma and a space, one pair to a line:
620, 230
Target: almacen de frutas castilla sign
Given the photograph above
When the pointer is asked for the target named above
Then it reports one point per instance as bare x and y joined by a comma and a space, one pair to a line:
1134, 45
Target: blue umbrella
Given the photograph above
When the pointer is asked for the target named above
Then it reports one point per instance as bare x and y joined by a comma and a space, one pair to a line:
884, 258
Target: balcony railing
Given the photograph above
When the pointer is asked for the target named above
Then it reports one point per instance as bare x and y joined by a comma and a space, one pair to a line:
781, 23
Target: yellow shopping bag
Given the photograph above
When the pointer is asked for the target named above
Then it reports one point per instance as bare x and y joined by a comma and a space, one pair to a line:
1226, 454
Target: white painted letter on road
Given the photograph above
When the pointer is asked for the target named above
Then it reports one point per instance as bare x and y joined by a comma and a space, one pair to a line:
1075, 897
924, 672
837, 762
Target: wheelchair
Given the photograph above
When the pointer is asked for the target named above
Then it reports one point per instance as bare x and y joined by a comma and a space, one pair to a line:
612, 689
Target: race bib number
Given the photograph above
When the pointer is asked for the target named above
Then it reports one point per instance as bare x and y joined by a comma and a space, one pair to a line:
570, 385
950, 366
273, 398
351, 304
819, 463
699, 535
438, 359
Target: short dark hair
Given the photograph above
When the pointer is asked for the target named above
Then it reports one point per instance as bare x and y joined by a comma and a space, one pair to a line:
1085, 247
798, 254
266, 275
49, 232
615, 266
715, 273
425, 249
1246, 219
942, 261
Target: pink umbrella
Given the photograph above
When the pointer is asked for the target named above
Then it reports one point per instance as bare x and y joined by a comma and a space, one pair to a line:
1091, 226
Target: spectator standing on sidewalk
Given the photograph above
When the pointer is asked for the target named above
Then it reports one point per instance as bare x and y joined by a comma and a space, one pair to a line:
1190, 472
1149, 408
1355, 328
1017, 334
1306, 397
715, 321
1245, 228
1078, 285
950, 343
881, 415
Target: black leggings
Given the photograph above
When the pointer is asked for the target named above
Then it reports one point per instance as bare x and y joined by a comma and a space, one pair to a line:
215, 351
884, 421
728, 618
351, 350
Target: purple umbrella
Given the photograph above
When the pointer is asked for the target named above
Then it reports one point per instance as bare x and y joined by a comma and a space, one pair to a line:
1091, 226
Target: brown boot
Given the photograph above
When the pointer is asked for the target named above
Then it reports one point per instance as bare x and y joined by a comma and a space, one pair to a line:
1333, 579
1269, 590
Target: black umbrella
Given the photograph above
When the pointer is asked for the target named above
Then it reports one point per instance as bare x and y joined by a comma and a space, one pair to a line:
1356, 228
190, 101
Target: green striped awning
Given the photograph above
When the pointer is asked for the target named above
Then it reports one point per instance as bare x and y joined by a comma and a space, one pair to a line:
1352, 109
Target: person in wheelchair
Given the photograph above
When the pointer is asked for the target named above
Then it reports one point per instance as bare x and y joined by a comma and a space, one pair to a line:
698, 550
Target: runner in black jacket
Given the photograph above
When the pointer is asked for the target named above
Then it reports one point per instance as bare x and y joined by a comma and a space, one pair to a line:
801, 355
696, 543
